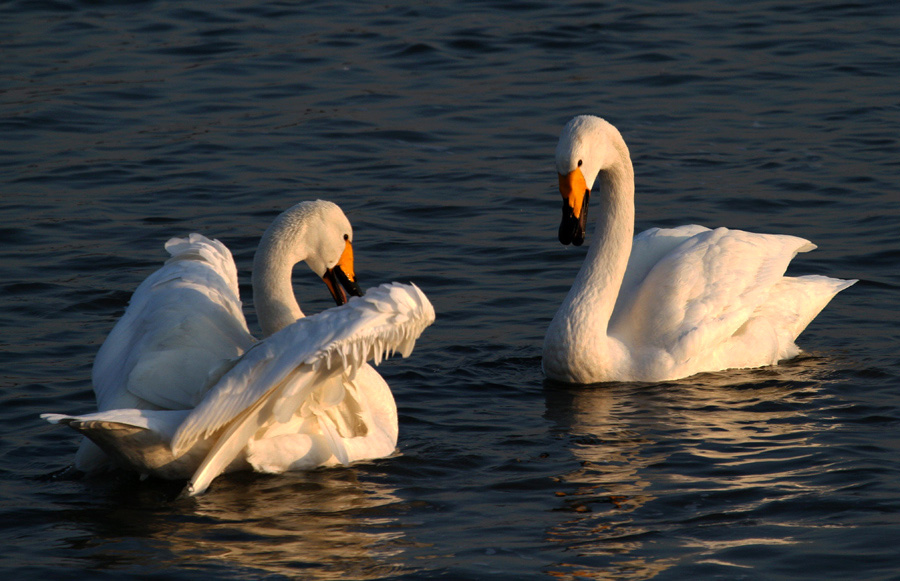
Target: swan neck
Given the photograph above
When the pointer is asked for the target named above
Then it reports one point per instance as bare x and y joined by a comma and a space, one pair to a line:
577, 339
273, 264
600, 278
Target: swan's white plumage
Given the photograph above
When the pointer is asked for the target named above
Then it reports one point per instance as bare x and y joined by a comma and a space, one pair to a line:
181, 322
699, 293
184, 390
311, 373
338, 340
686, 299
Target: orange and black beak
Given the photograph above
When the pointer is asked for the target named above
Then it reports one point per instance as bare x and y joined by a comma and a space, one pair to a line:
341, 276
575, 195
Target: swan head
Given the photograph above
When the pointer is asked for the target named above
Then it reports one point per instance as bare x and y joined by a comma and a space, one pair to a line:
317, 233
327, 246
582, 153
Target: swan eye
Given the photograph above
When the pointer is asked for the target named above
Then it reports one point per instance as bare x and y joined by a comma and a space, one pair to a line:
346, 237
579, 163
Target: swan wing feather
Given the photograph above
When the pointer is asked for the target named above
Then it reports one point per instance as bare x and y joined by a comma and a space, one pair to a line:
290, 372
706, 288
647, 249
181, 323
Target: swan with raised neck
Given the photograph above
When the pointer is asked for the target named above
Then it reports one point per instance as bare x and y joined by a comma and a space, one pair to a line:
589, 149
668, 303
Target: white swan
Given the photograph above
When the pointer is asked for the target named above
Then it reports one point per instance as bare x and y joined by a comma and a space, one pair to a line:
184, 390
668, 303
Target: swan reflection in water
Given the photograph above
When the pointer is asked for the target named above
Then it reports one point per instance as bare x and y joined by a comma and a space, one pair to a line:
648, 452
325, 524
333, 523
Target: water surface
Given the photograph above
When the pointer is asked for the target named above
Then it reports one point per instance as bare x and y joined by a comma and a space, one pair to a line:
433, 125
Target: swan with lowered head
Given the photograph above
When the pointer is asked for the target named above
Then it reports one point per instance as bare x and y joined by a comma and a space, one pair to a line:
185, 391
667, 303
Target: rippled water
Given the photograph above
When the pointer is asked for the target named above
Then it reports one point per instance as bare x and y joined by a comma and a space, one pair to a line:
433, 125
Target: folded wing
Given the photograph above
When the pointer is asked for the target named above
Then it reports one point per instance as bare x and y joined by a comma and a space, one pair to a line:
704, 289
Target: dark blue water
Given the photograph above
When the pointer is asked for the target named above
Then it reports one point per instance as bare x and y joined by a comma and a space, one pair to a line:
434, 125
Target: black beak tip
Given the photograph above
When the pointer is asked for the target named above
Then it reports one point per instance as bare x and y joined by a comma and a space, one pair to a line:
340, 298
351, 286
570, 231
354, 290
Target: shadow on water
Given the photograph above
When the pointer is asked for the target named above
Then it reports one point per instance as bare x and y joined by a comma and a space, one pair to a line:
658, 462
324, 524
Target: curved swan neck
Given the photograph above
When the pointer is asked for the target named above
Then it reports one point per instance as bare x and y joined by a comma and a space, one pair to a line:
281, 247
597, 285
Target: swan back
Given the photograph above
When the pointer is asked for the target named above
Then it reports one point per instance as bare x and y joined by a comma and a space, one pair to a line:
703, 290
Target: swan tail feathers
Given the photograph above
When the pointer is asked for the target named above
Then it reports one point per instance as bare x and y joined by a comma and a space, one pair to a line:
135, 439
799, 300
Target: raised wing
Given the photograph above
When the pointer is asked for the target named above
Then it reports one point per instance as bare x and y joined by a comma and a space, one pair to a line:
704, 289
182, 322
304, 369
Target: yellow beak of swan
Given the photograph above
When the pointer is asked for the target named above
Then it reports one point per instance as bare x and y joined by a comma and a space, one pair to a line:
575, 195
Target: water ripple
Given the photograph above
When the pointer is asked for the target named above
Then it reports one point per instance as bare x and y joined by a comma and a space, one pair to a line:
125, 123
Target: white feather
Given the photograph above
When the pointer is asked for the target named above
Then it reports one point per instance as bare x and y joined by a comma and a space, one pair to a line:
302, 397
669, 303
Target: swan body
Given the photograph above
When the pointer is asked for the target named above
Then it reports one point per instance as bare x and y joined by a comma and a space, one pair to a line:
667, 303
184, 390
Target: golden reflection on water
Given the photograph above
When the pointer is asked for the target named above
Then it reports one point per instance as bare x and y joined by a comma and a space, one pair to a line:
322, 525
731, 431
